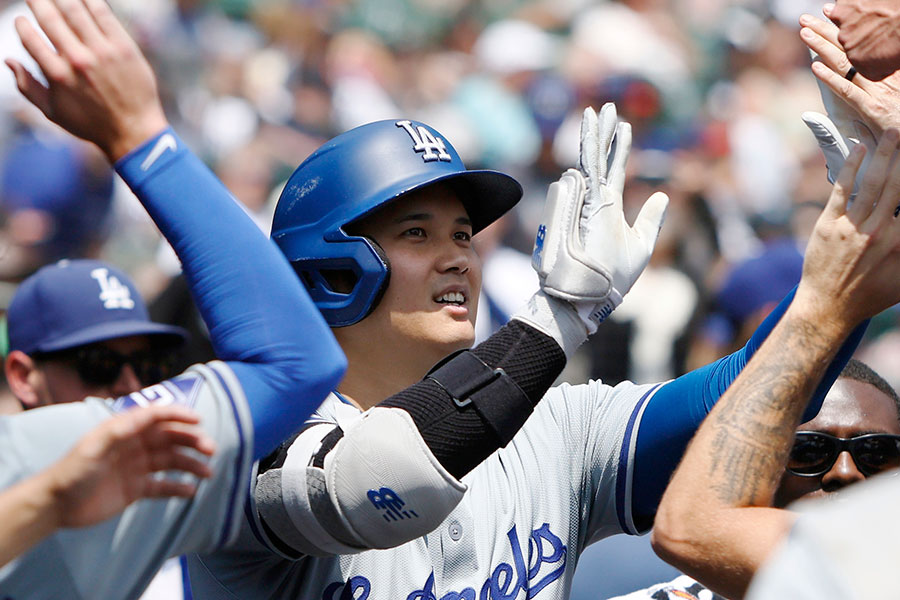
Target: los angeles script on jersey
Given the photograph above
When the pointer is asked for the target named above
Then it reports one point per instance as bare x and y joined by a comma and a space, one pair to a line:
523, 579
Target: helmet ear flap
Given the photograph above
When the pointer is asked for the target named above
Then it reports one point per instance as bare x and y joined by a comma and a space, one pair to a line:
347, 285
382, 288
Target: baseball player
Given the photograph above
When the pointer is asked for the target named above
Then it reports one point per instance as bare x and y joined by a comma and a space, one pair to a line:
279, 358
850, 273
436, 492
78, 32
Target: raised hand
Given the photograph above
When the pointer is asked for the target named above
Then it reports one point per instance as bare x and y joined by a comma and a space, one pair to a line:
852, 265
115, 464
876, 102
868, 32
586, 252
100, 87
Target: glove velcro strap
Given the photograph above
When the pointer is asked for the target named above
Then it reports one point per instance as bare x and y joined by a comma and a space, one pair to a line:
499, 400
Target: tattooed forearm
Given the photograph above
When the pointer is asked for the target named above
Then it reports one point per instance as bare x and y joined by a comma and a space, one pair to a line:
751, 435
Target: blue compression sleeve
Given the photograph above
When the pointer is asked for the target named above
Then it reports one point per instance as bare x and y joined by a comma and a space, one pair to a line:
260, 318
675, 412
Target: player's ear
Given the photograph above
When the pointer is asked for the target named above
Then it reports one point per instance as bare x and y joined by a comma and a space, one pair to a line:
20, 372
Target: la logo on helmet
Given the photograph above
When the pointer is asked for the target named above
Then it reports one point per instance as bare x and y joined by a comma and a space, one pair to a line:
424, 141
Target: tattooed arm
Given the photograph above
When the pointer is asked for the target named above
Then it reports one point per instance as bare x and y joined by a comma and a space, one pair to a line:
715, 521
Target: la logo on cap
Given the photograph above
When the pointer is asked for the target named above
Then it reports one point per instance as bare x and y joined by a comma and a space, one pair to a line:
112, 293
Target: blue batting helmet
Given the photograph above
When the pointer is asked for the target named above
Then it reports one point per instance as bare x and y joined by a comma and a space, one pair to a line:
353, 175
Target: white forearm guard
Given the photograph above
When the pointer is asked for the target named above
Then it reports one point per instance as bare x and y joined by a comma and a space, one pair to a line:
378, 487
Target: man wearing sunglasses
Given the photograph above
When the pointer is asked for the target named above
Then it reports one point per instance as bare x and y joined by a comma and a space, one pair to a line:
855, 435
79, 328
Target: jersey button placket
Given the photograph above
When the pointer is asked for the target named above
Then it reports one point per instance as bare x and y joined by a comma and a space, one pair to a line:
455, 530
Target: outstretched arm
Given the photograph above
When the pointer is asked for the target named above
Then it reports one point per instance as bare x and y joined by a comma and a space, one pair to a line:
722, 535
111, 467
101, 88
676, 410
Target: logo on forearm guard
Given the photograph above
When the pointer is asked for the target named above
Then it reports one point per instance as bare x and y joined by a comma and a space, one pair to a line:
387, 500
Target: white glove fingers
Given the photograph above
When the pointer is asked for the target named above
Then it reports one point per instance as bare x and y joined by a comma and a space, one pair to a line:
619, 159
589, 155
650, 220
609, 119
834, 146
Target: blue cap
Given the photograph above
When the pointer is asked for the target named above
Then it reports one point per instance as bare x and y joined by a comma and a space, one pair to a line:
78, 302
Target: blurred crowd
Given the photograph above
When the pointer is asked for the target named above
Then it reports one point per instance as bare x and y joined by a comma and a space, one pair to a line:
714, 90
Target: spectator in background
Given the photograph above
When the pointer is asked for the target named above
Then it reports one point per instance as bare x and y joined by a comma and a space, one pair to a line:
55, 195
749, 291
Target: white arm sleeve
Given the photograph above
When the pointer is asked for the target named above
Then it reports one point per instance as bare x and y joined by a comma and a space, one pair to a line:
377, 486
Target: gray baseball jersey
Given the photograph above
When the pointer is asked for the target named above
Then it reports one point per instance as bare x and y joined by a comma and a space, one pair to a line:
530, 509
117, 558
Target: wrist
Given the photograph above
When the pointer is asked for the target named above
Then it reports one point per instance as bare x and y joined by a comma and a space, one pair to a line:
556, 318
133, 135
592, 313
811, 309
45, 500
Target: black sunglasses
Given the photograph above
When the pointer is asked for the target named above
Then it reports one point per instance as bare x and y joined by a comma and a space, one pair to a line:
101, 366
814, 452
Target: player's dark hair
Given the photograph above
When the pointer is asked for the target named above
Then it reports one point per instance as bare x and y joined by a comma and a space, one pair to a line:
860, 371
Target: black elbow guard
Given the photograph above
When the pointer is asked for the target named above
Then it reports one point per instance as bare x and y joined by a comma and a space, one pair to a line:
475, 401
502, 405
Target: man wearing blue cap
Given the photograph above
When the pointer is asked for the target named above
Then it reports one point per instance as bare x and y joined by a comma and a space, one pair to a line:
79, 328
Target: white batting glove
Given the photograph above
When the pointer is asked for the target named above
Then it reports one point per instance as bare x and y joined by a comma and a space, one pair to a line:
838, 133
586, 255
